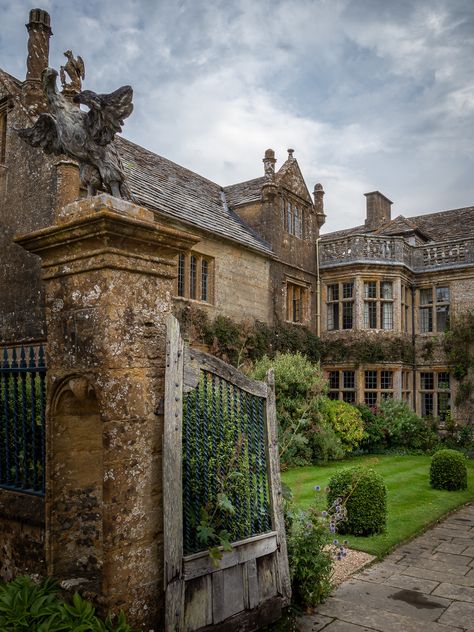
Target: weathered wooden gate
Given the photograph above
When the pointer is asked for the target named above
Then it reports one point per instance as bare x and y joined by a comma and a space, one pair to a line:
220, 440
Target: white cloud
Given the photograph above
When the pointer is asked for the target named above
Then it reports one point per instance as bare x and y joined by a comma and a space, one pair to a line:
370, 95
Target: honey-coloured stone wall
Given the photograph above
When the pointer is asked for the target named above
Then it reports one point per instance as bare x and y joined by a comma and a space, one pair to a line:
108, 269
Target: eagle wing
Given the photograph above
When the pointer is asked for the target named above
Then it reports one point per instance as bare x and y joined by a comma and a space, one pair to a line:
107, 112
43, 134
81, 67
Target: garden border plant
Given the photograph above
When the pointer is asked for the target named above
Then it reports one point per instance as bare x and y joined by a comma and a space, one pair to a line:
27, 605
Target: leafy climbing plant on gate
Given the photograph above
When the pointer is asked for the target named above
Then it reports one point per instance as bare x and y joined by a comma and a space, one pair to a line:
225, 486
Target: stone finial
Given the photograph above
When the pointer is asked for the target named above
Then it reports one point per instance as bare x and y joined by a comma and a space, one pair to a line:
318, 195
269, 161
290, 154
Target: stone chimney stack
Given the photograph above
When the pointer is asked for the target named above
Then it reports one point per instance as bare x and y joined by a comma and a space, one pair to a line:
39, 32
318, 195
378, 210
269, 163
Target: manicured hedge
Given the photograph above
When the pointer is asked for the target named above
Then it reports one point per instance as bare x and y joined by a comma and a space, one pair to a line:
364, 495
448, 470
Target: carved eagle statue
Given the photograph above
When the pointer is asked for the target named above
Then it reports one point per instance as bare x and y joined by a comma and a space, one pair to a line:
85, 136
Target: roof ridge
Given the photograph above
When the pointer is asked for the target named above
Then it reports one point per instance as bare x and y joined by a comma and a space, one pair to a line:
450, 210
236, 184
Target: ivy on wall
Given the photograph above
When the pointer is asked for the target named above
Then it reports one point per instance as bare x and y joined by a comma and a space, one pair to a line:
459, 349
242, 344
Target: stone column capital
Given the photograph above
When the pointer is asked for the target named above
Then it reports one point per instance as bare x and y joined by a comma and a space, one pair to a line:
105, 232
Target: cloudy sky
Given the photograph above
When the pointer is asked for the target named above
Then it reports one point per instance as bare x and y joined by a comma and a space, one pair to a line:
371, 94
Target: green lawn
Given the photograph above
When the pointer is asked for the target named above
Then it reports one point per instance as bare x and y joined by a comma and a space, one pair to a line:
412, 504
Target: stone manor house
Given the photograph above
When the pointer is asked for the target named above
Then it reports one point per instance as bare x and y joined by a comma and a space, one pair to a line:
260, 255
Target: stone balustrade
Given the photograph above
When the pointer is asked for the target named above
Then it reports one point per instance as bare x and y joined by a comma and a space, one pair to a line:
395, 251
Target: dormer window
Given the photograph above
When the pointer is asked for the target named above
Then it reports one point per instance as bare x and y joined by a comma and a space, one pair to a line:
293, 218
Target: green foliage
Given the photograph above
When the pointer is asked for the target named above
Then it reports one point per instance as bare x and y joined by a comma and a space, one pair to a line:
309, 559
231, 466
457, 436
24, 399
363, 493
298, 387
459, 348
241, 344
27, 606
324, 443
375, 437
405, 429
448, 470
395, 426
345, 420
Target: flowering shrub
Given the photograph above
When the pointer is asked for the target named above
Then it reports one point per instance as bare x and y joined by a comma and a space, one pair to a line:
363, 495
345, 420
309, 559
312, 549
448, 470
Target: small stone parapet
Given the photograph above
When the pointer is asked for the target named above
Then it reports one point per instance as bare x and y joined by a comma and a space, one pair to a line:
396, 251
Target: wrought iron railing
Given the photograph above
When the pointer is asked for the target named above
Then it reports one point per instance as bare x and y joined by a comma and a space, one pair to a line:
22, 419
224, 461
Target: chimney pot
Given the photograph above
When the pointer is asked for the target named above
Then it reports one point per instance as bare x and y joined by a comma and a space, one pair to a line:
39, 31
290, 153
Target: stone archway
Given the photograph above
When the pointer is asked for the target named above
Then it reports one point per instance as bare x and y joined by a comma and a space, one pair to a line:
74, 490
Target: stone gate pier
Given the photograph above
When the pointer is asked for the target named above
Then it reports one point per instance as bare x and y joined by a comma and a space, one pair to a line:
108, 268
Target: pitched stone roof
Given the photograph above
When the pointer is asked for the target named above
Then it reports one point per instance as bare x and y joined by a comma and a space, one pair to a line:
346, 232
446, 225
402, 226
244, 192
441, 226
170, 189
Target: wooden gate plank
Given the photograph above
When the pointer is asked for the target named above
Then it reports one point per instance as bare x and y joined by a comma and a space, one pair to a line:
276, 496
172, 480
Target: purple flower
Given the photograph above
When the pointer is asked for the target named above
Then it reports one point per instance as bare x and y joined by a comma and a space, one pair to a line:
335, 541
324, 513
317, 488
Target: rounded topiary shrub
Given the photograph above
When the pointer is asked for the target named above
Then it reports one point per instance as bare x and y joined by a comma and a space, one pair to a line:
448, 470
364, 495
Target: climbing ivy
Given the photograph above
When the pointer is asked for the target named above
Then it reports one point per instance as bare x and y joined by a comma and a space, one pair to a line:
242, 344
459, 349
